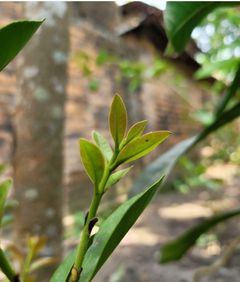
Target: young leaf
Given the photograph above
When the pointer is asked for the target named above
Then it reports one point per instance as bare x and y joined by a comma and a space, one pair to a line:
4, 188
141, 146
175, 249
115, 177
13, 37
112, 231
135, 131
118, 120
41, 263
93, 160
103, 145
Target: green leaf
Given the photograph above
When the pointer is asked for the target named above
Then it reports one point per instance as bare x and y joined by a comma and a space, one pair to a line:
112, 231
62, 272
115, 177
230, 93
6, 266
141, 146
215, 67
13, 37
93, 160
175, 249
181, 18
4, 188
118, 120
103, 145
135, 131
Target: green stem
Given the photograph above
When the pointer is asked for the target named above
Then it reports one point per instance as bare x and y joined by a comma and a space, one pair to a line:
6, 267
231, 92
86, 233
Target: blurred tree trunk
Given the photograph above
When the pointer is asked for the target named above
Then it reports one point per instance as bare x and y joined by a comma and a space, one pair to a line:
38, 165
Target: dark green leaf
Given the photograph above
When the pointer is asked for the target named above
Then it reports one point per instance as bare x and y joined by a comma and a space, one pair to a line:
13, 37
135, 131
62, 272
182, 17
141, 146
6, 266
115, 177
103, 145
4, 188
231, 92
118, 120
175, 249
93, 160
112, 231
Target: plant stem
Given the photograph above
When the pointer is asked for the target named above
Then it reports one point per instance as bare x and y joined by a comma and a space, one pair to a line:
86, 233
26, 265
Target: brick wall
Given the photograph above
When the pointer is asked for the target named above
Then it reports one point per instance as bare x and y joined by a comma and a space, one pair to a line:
162, 101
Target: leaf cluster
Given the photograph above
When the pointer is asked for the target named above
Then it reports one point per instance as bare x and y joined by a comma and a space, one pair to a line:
98, 157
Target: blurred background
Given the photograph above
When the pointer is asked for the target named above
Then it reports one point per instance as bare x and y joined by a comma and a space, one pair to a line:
60, 87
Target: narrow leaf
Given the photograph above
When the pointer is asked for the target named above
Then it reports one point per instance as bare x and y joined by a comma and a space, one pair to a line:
13, 37
103, 145
141, 146
135, 131
62, 272
115, 177
93, 160
41, 263
4, 188
112, 231
118, 119
231, 92
6, 266
175, 249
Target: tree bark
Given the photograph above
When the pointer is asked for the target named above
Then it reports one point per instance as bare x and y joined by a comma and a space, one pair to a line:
38, 166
